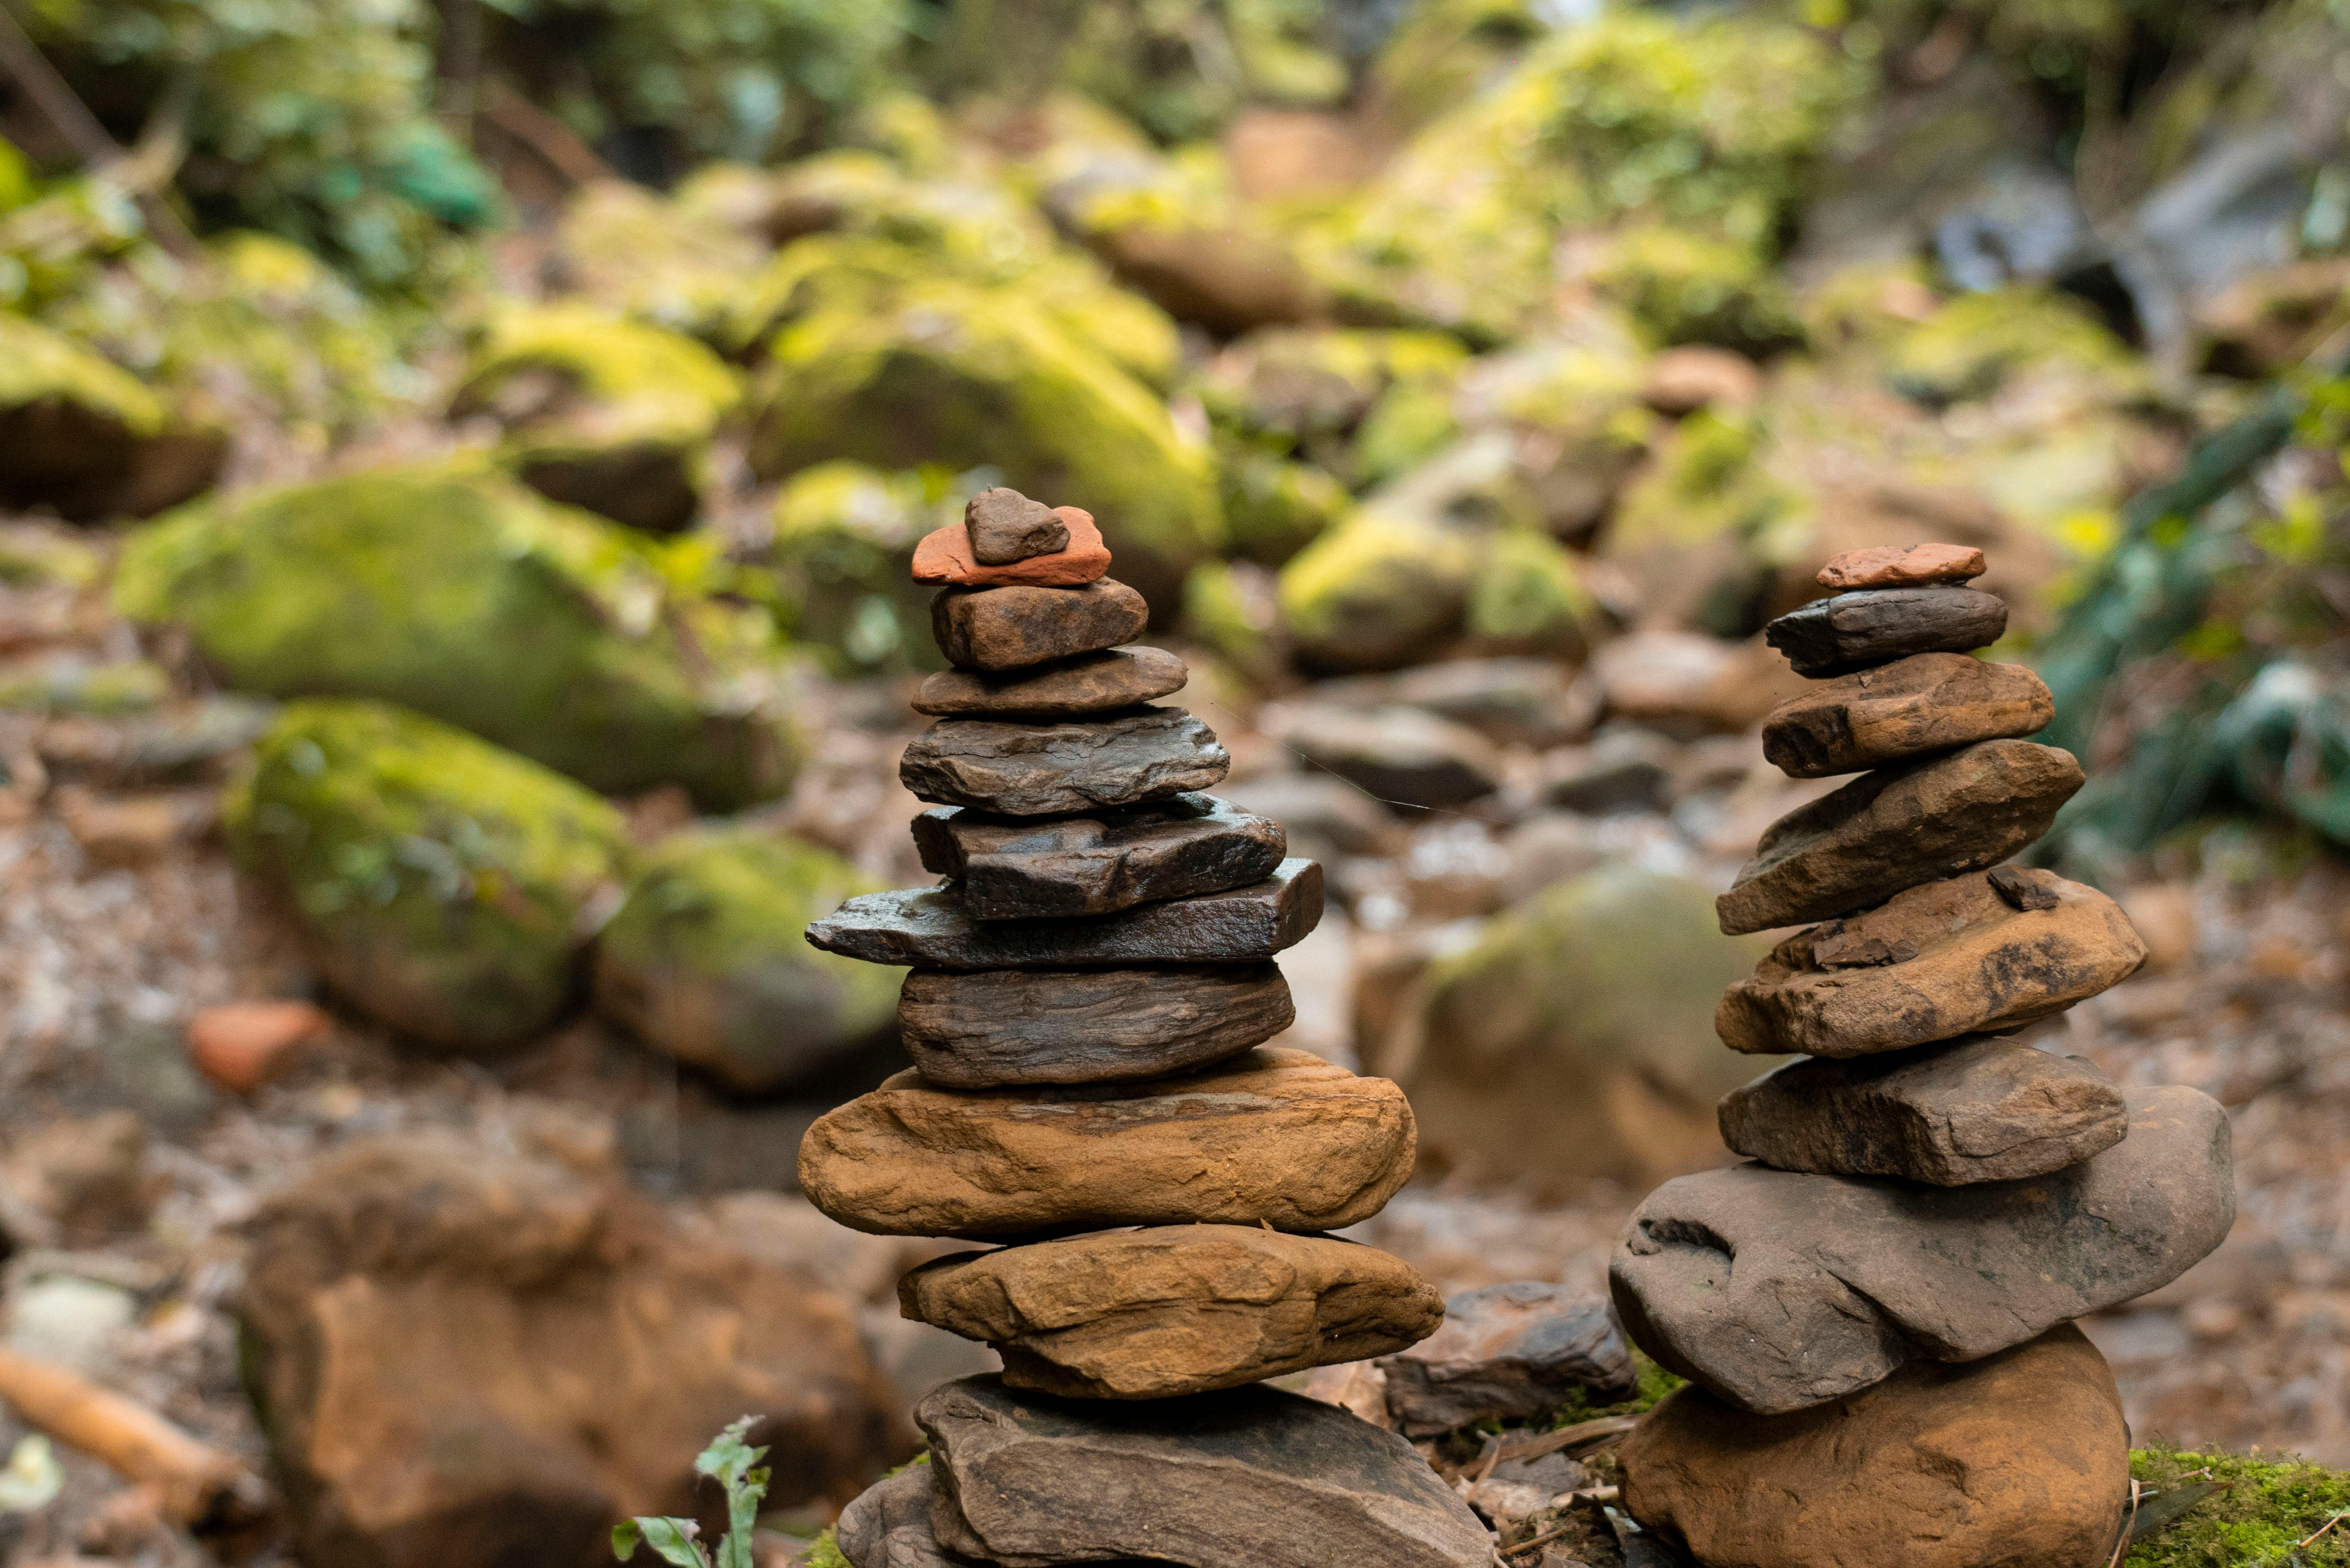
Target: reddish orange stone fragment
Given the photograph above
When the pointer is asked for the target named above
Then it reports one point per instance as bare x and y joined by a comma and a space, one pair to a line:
1892, 567
945, 557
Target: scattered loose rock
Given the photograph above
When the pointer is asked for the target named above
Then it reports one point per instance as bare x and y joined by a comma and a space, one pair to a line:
1089, 683
1839, 1280
239, 1044
1014, 627
1512, 700
1174, 1310
1877, 626
944, 555
1036, 770
1505, 1352
1005, 526
1279, 1137
1012, 1026
1892, 567
1015, 869
1925, 703
1400, 755
1897, 827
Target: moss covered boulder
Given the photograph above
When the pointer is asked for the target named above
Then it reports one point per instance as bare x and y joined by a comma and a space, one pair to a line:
1382, 590
440, 884
707, 960
80, 435
468, 598
601, 411
843, 550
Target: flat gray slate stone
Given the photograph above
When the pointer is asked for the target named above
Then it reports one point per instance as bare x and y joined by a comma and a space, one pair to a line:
1838, 1280
1870, 627
1048, 770
1014, 626
1245, 1477
1505, 1352
1014, 868
928, 928
1089, 683
1975, 1110
1009, 1026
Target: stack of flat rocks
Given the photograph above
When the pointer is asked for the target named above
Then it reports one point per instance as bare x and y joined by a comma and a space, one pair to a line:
1877, 1312
1093, 988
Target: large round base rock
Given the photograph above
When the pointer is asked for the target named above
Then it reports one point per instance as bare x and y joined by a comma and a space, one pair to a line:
1010, 1026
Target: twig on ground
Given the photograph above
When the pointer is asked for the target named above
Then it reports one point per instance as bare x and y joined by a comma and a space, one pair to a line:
196, 1481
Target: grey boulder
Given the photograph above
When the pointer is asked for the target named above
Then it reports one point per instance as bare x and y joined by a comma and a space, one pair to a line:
1508, 1351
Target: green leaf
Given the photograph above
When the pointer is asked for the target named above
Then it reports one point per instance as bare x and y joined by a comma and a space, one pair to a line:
733, 1464
672, 1540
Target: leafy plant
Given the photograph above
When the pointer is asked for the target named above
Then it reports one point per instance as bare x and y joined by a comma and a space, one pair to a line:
735, 1466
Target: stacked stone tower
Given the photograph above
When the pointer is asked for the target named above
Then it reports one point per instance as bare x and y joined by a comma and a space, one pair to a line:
1877, 1312
1092, 983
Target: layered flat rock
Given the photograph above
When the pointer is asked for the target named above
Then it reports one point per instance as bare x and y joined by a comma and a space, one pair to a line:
1892, 567
1507, 1352
1014, 627
1934, 963
1838, 1280
2018, 1460
944, 555
1087, 684
1980, 1109
1851, 631
1400, 756
1013, 868
1174, 1308
1006, 1026
929, 928
1039, 770
1927, 702
1897, 827
888, 1525
1245, 1477
1278, 1137
1005, 526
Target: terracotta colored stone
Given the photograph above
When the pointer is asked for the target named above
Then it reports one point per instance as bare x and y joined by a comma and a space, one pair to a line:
1892, 567
1924, 703
1934, 963
1044, 770
1877, 626
1089, 683
1507, 1352
2020, 1461
944, 555
1005, 526
1173, 1309
1008, 1026
238, 1044
1024, 868
1278, 1136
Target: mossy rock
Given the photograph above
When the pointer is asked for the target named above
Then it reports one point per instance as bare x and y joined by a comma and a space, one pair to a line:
1699, 531
844, 545
440, 884
1233, 608
1380, 591
1528, 596
1306, 390
2262, 1513
466, 597
601, 411
1571, 407
80, 435
673, 261
1272, 507
1969, 346
1687, 287
967, 377
707, 960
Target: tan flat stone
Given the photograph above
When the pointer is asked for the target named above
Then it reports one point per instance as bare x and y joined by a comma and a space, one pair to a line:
1925, 703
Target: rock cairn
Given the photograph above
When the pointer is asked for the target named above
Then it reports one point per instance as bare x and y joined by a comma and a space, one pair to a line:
1093, 985
1877, 1312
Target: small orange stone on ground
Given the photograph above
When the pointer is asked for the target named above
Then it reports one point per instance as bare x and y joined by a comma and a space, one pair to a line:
1892, 567
236, 1045
945, 557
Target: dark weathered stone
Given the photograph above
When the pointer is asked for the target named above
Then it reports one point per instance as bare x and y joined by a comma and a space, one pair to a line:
1976, 1110
1089, 683
1898, 827
1014, 627
1174, 1308
2022, 890
1839, 1279
1086, 1026
1006, 526
1877, 626
1925, 703
1016, 869
1041, 769
928, 928
1246, 1478
889, 1525
1400, 755
1892, 567
1506, 1352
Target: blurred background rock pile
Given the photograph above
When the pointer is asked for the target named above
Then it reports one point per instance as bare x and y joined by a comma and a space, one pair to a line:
458, 467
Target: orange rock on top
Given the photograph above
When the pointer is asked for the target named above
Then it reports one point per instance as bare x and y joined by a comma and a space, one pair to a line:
1892, 567
945, 557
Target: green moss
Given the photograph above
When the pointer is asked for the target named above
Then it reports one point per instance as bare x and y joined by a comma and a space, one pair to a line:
2268, 1508
1445, 52
1528, 596
69, 683
467, 597
38, 365
845, 537
676, 263
1971, 345
1410, 423
1686, 288
642, 384
1375, 591
1306, 389
31, 556
1227, 609
824, 1553
1273, 507
438, 882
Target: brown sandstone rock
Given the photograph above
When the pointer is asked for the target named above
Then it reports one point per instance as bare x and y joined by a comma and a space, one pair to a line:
944, 555
1853, 631
1089, 683
1012, 869
1892, 567
1278, 1136
1012, 1026
1838, 1280
1175, 1309
1925, 703
1005, 527
2021, 1460
1980, 1109
1898, 827
1937, 962
1041, 769
1014, 627
1505, 1352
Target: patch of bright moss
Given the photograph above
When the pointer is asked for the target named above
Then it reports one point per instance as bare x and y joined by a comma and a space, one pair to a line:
1375, 591
2269, 1507
844, 544
642, 384
1273, 507
824, 1553
1528, 596
38, 365
1688, 287
1969, 346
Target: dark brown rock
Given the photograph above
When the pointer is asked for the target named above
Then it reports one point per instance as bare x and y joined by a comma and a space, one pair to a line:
928, 928
1507, 1352
1979, 1109
1014, 627
1245, 1477
1925, 703
1934, 963
1012, 869
1174, 1308
1400, 756
1041, 769
1839, 1280
1089, 683
889, 1525
1893, 566
1898, 827
1877, 626
1006, 526
2019, 1461
1086, 1026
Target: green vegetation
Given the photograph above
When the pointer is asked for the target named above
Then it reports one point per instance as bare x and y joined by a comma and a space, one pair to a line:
735, 1466
2270, 1513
